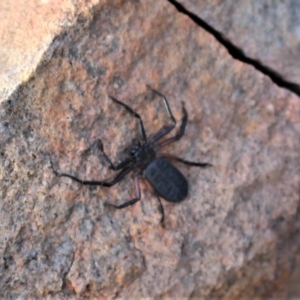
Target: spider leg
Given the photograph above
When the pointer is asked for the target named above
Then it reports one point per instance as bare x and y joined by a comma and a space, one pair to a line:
118, 178
138, 196
134, 114
161, 209
179, 134
165, 130
186, 162
160, 206
119, 166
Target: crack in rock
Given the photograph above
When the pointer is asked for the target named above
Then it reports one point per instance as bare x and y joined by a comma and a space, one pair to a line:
238, 53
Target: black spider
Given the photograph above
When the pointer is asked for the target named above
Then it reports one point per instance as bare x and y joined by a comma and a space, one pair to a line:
166, 180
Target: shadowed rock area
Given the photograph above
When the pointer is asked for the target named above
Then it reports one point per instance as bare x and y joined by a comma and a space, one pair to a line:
237, 233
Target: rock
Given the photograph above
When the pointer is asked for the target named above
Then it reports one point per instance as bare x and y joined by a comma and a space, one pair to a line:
27, 29
266, 31
237, 232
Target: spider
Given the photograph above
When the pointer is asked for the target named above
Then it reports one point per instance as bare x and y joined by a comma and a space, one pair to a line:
166, 180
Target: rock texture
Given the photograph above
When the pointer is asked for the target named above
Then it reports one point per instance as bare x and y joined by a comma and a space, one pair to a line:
27, 28
267, 31
235, 236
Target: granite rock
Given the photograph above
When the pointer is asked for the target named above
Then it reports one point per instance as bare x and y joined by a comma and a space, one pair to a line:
27, 29
266, 31
237, 233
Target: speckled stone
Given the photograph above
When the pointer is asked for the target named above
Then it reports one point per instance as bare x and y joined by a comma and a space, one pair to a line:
267, 31
236, 234
27, 29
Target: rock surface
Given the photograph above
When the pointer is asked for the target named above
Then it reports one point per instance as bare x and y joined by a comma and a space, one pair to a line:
27, 28
267, 31
237, 233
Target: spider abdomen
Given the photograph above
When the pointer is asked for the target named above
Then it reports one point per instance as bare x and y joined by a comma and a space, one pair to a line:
167, 180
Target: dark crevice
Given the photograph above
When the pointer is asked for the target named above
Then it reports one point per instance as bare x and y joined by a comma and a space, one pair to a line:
238, 54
